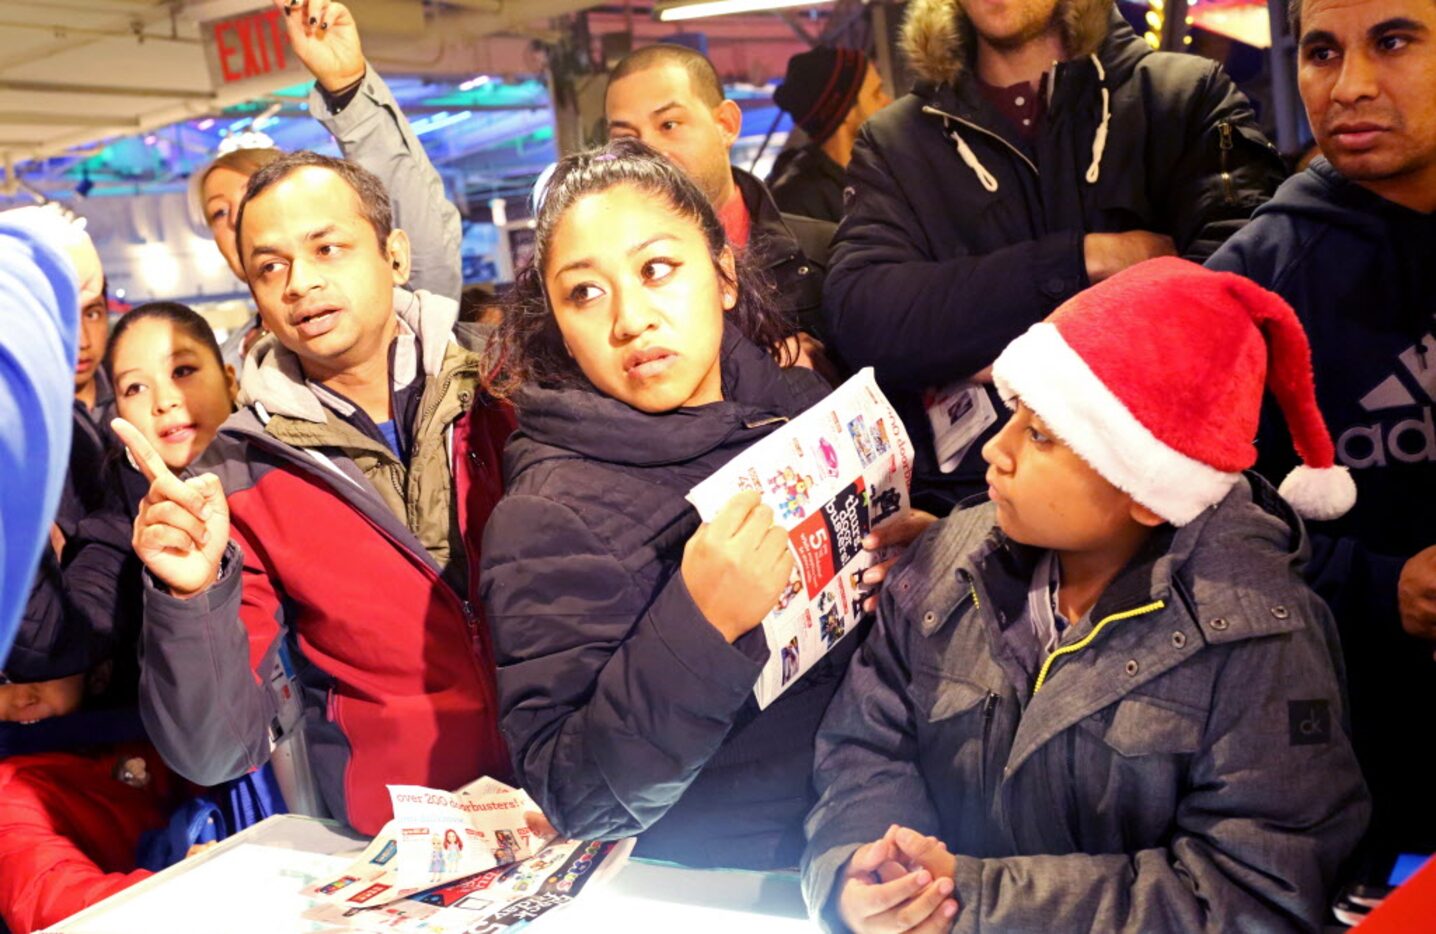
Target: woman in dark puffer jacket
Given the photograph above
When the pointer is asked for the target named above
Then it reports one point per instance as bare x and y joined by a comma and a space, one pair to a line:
627, 635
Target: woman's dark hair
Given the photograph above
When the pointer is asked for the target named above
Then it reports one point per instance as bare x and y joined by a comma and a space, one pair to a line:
530, 347
181, 316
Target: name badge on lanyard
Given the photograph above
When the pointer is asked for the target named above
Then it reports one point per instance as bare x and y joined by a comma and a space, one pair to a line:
959, 413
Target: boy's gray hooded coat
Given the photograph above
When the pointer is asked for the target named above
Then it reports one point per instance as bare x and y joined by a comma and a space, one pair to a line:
1185, 765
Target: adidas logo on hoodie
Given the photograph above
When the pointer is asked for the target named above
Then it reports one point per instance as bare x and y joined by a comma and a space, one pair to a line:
1409, 441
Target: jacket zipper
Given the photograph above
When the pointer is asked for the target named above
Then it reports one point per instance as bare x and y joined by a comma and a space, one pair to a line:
398, 486
989, 708
428, 411
466, 607
1228, 190
425, 414
1087, 640
471, 620
969, 124
472, 631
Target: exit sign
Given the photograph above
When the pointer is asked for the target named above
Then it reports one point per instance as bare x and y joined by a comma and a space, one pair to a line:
253, 45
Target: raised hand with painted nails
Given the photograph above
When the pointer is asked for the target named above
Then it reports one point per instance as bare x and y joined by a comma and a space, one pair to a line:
326, 39
894, 536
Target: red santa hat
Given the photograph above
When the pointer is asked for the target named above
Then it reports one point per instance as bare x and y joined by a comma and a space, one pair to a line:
1155, 378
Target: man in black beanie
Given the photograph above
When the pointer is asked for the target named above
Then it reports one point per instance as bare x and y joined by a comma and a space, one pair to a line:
829, 93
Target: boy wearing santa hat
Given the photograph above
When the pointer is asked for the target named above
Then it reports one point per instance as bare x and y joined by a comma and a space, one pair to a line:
1105, 699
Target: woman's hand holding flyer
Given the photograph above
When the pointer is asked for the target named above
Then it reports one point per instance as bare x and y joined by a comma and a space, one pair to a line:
737, 566
891, 539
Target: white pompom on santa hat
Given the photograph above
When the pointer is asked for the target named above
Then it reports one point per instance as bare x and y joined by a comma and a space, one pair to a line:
1155, 378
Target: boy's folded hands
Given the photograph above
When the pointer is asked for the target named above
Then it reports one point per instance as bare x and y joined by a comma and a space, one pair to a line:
901, 883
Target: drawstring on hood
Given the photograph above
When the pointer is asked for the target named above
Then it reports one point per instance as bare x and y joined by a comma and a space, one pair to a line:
965, 151
1099, 142
984, 177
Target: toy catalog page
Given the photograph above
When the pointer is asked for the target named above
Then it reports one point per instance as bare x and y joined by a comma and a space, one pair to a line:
830, 475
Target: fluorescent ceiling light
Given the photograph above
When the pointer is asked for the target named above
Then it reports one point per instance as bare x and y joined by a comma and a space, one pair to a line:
704, 8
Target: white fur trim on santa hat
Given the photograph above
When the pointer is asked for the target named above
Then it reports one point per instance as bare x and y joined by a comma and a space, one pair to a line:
1054, 382
1319, 492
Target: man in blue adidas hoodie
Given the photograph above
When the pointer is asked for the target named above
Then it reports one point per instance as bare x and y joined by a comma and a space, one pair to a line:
1351, 244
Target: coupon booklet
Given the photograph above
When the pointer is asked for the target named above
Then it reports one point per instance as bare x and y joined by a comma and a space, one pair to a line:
830, 475
459, 862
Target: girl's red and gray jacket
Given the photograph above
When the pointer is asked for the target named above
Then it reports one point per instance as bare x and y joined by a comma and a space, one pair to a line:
362, 566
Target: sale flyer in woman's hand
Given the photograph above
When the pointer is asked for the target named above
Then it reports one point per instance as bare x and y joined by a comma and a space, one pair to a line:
830, 476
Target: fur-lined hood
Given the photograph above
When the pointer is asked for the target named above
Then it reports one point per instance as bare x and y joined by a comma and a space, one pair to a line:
937, 35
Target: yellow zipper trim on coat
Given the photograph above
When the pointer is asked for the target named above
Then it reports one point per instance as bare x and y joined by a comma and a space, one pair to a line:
1087, 640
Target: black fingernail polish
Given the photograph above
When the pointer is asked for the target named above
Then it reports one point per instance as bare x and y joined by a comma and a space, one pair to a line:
323, 25
313, 20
